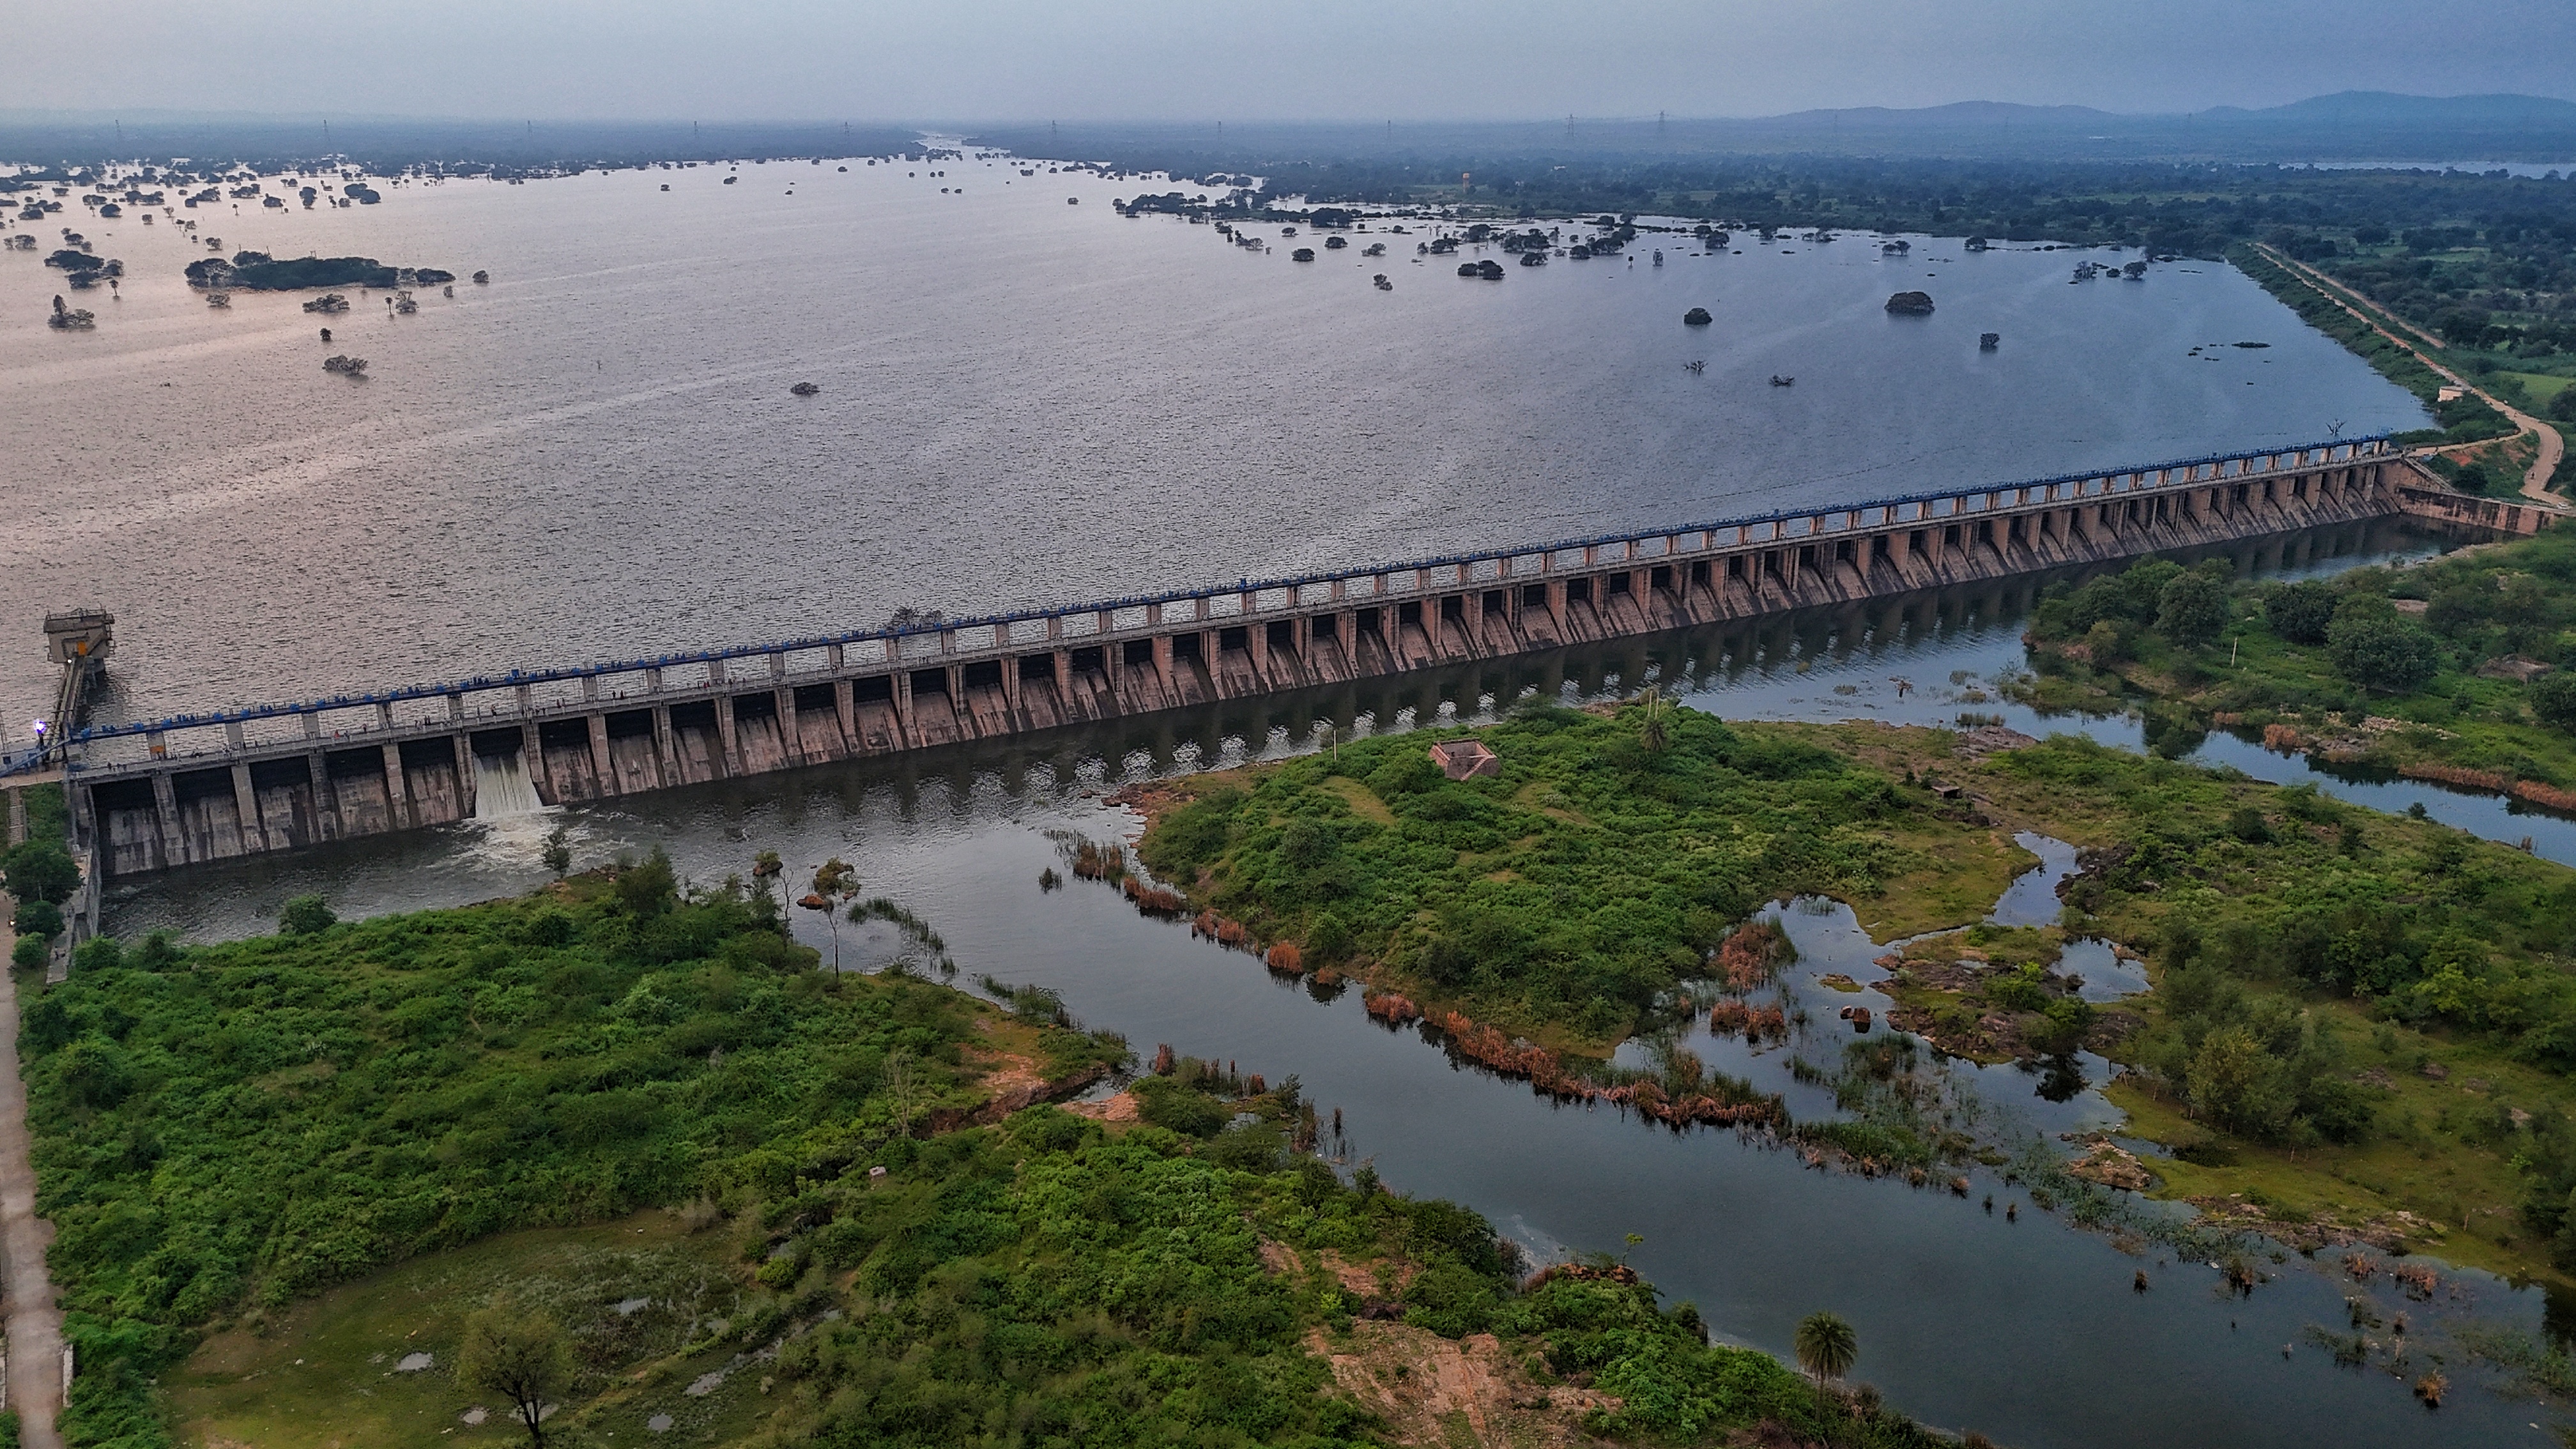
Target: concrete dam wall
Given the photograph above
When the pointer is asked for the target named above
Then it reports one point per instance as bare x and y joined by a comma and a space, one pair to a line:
156, 795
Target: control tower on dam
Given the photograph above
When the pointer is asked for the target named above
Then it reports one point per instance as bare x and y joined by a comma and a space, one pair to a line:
155, 795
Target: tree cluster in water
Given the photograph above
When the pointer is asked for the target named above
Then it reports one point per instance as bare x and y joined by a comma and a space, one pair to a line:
259, 272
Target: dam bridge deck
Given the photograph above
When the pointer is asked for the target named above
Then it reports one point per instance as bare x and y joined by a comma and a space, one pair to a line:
193, 788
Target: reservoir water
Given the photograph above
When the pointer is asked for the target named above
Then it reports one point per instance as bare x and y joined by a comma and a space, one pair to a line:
2028, 1331
1023, 400
597, 455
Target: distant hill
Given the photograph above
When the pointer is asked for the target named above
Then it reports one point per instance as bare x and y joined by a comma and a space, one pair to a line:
2389, 108
1957, 113
2344, 109
2347, 126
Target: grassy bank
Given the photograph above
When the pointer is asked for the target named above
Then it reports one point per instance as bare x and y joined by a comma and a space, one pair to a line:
1564, 897
720, 1195
2424, 669
2464, 419
2360, 1020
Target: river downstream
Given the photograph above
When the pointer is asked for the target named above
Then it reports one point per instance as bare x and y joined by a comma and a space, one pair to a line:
2026, 1330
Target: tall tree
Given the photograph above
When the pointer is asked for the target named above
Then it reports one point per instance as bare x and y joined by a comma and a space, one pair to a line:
1826, 1348
1654, 720
835, 881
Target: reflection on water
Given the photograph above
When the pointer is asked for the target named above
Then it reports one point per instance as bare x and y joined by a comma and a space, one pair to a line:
2024, 1330
2031, 900
2102, 973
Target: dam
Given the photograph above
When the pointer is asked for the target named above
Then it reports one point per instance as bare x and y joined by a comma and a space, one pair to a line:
159, 794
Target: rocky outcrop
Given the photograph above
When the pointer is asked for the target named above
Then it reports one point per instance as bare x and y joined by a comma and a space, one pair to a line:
1911, 304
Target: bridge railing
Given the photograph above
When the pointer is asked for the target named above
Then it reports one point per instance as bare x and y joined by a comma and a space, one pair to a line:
936, 637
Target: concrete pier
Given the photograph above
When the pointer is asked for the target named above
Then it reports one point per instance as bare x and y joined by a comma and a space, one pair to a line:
193, 788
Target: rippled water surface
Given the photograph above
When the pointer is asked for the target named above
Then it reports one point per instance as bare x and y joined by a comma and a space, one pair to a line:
1022, 401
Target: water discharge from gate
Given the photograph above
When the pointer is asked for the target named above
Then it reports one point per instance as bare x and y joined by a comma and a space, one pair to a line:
502, 789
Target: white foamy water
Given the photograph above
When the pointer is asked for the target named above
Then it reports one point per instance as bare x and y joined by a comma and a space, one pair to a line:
502, 789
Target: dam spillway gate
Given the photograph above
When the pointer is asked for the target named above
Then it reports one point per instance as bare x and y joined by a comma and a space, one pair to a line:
153, 795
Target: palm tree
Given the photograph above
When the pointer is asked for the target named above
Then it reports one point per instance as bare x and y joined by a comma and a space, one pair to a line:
1826, 1347
1654, 723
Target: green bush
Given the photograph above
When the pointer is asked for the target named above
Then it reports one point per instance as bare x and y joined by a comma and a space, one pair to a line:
2553, 695
2015, 991
39, 918
257, 1120
30, 954
1451, 1300
2375, 648
1578, 887
1168, 1104
40, 870
1328, 941
2300, 612
2192, 608
306, 916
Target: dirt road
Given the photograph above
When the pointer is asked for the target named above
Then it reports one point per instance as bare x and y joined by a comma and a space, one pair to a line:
2553, 446
26, 1292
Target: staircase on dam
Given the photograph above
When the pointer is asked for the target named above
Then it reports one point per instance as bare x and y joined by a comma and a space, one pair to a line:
156, 795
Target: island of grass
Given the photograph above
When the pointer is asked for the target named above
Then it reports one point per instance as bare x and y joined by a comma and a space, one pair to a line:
260, 272
713, 1194
2361, 1021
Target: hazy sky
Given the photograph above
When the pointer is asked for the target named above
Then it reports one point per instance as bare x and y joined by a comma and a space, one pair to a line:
1255, 59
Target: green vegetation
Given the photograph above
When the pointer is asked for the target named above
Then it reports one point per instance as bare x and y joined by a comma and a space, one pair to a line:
2354, 1016
518, 1351
2377, 669
39, 875
224, 1129
2492, 294
302, 1186
2463, 419
1671, 1384
42, 864
1566, 895
261, 272
2428, 671
1990, 993
1826, 1347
